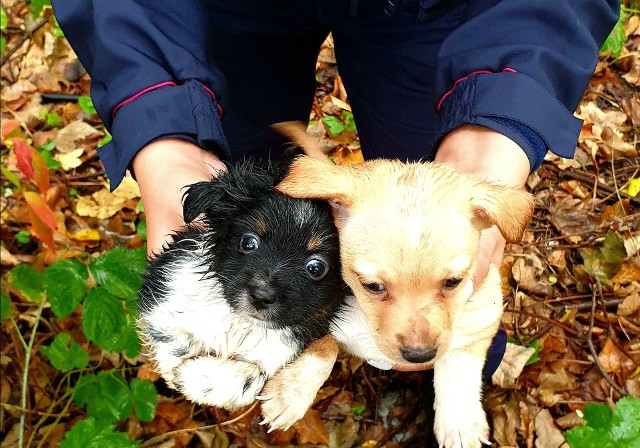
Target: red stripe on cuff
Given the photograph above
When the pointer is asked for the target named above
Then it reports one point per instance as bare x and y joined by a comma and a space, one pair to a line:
478, 72
155, 87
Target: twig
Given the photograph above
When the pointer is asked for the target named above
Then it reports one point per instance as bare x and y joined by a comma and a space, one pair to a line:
592, 349
22, 41
586, 305
161, 437
597, 185
25, 374
547, 319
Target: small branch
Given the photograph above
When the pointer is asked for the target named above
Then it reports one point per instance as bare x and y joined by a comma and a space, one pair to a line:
22, 41
547, 319
25, 374
592, 349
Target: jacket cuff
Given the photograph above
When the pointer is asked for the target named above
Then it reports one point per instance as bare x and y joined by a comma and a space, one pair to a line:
186, 109
512, 104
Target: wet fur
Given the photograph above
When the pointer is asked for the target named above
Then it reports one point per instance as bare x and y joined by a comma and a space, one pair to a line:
201, 324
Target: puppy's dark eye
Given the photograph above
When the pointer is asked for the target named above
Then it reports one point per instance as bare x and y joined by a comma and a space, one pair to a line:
452, 282
249, 242
317, 268
376, 288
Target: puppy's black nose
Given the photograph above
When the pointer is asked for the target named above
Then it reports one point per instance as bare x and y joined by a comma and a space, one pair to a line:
418, 355
262, 297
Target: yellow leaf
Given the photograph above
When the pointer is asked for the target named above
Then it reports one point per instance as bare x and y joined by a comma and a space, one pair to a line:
633, 188
86, 235
341, 104
70, 159
102, 204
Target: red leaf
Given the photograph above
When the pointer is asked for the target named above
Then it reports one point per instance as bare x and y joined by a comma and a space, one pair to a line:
31, 163
42, 219
8, 126
41, 170
24, 155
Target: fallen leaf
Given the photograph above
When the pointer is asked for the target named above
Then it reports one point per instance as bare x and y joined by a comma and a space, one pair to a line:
103, 204
69, 159
77, 130
549, 436
86, 235
510, 368
630, 305
310, 429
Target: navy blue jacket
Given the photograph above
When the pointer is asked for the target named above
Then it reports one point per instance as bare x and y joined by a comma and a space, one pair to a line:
542, 54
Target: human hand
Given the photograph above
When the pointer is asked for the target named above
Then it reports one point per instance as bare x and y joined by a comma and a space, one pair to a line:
493, 157
163, 168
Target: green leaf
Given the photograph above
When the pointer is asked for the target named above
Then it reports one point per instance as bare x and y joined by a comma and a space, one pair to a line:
348, 119
86, 104
65, 354
106, 139
10, 176
3, 44
4, 21
146, 399
106, 395
73, 192
52, 163
29, 281
358, 409
5, 306
53, 119
334, 125
65, 282
616, 39
104, 320
535, 357
23, 237
613, 250
606, 430
49, 146
37, 6
119, 271
92, 433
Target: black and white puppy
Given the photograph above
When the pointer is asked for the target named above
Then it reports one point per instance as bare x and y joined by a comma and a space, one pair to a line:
236, 297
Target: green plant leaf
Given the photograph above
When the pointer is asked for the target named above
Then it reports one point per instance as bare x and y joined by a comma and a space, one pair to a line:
86, 104
65, 354
29, 281
37, 6
5, 306
23, 237
145, 397
10, 176
53, 119
119, 271
65, 282
535, 357
3, 44
4, 21
52, 163
106, 139
92, 433
104, 319
141, 229
604, 429
106, 395
348, 119
334, 125
616, 39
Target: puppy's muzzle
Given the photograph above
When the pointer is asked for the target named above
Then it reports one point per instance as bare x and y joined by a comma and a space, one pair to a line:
262, 296
418, 354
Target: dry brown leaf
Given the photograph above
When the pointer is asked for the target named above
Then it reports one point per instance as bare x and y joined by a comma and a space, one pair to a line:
310, 429
104, 204
629, 272
74, 131
510, 368
549, 436
69, 160
17, 90
630, 305
505, 422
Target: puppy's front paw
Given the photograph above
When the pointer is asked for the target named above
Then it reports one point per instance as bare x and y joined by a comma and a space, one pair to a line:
223, 383
286, 398
460, 427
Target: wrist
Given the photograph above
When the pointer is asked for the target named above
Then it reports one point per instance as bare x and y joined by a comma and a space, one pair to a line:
486, 153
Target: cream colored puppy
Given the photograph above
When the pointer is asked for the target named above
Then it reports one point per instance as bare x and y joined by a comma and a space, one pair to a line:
409, 237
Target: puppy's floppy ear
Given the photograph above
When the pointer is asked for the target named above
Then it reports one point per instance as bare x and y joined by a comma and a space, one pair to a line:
510, 209
310, 178
222, 197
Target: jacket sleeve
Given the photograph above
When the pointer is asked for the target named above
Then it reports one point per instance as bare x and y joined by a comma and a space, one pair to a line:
150, 76
521, 67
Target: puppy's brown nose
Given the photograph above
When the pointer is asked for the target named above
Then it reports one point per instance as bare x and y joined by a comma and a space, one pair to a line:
418, 354
261, 298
